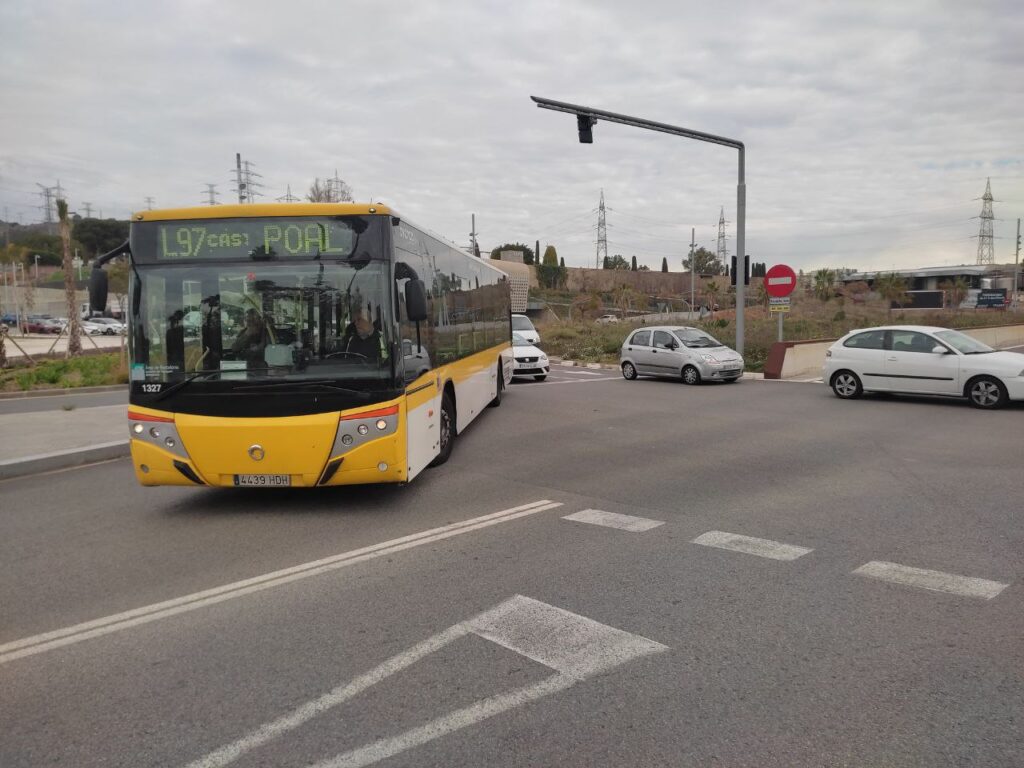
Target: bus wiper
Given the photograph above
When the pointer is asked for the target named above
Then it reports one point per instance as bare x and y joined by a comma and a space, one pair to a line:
201, 375
314, 383
183, 383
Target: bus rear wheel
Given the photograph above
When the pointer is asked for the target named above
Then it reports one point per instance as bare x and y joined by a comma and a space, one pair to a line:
446, 430
501, 388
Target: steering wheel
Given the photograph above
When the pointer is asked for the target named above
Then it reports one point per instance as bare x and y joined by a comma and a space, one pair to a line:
344, 353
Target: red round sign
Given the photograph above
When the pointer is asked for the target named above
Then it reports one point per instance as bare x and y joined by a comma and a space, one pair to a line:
780, 280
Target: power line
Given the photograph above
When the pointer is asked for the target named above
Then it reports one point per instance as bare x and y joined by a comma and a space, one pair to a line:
212, 195
288, 197
986, 253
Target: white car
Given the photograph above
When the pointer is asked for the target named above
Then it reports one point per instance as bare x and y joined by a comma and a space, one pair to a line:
923, 360
521, 324
91, 328
607, 319
529, 360
112, 326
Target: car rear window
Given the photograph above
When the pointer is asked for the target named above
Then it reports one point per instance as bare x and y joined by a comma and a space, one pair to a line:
641, 339
866, 340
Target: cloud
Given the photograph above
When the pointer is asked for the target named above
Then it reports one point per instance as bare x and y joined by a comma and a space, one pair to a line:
870, 130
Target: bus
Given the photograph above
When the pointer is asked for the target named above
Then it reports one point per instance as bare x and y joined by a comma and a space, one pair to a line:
303, 344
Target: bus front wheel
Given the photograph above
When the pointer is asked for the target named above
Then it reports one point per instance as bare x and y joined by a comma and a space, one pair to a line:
446, 427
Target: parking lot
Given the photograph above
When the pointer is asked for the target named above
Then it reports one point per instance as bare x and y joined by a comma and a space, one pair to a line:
605, 573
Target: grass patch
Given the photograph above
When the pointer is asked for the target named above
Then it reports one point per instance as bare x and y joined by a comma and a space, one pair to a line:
85, 371
811, 318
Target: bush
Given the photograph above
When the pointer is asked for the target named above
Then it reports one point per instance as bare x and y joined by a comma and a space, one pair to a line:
85, 371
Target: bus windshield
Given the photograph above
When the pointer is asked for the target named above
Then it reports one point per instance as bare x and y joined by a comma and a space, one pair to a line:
262, 323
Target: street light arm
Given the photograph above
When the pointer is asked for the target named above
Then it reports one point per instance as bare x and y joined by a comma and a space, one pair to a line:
636, 122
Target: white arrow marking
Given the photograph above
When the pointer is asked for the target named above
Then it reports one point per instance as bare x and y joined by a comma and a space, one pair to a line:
574, 646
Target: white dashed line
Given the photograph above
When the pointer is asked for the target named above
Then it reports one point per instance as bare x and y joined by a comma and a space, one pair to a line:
614, 520
751, 546
578, 372
937, 581
30, 646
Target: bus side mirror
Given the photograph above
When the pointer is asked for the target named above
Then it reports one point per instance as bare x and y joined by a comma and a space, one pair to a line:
97, 292
416, 301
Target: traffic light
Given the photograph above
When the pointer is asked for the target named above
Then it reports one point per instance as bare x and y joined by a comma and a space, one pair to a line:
746, 271
584, 124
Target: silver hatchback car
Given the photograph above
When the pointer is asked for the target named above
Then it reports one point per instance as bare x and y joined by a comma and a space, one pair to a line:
687, 353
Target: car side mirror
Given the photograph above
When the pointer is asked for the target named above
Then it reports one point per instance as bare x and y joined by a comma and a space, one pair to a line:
416, 300
938, 349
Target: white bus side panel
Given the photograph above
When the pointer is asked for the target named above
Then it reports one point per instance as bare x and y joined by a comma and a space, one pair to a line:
422, 432
474, 393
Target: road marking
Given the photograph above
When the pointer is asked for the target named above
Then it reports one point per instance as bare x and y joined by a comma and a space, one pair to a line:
937, 581
578, 372
751, 546
570, 381
614, 520
59, 638
574, 646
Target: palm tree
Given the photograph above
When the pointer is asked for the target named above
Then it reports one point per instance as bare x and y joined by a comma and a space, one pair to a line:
824, 282
74, 332
956, 291
893, 289
713, 292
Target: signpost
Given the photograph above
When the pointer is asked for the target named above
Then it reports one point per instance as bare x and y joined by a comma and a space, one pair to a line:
779, 282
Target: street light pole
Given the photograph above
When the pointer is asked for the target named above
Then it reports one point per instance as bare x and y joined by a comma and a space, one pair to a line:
587, 117
36, 257
693, 243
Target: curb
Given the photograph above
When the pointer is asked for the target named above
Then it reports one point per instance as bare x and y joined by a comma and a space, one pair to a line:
62, 392
74, 457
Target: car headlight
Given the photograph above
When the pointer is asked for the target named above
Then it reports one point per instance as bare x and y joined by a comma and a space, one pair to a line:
708, 359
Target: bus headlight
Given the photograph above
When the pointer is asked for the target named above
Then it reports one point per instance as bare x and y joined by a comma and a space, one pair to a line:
362, 429
381, 424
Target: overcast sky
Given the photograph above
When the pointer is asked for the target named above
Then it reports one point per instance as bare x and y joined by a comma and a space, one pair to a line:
870, 127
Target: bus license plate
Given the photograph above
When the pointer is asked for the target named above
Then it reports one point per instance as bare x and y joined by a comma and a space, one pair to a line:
263, 481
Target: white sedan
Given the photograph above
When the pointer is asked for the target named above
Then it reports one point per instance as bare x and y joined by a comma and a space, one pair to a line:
923, 360
529, 360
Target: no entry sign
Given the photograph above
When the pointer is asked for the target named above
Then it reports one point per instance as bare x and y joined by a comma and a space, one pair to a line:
780, 280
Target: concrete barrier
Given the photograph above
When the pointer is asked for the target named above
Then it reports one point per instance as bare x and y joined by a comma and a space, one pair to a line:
793, 359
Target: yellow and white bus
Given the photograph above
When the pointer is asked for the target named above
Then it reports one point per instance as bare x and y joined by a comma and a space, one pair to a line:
307, 344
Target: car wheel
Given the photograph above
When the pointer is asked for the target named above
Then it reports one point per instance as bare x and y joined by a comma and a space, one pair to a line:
628, 371
986, 393
446, 427
846, 385
691, 375
501, 387
540, 377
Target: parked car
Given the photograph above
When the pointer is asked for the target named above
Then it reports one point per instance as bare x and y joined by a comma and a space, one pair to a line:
39, 324
91, 328
112, 326
521, 324
607, 319
529, 360
923, 360
678, 352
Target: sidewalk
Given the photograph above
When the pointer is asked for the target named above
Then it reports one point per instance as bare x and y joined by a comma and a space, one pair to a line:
42, 441
37, 345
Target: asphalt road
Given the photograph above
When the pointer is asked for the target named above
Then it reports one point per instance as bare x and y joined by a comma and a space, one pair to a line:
380, 626
63, 401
